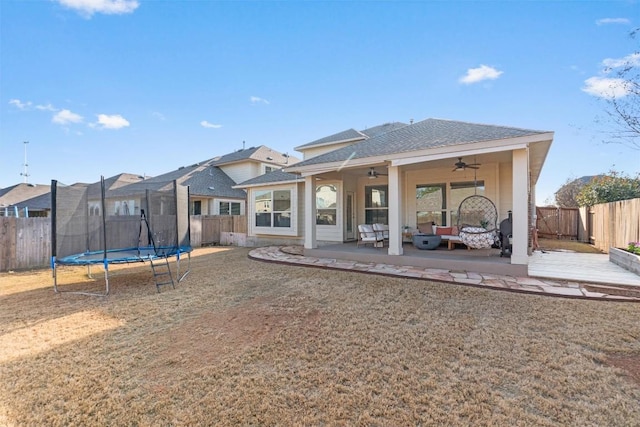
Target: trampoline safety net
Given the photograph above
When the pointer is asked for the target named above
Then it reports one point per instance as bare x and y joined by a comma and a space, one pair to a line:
145, 220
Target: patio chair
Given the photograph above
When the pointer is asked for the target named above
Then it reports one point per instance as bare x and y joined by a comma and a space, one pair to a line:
368, 235
383, 229
477, 222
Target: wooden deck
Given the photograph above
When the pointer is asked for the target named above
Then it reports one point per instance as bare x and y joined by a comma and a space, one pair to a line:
590, 268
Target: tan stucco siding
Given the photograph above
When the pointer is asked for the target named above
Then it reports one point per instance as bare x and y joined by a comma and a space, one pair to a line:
489, 173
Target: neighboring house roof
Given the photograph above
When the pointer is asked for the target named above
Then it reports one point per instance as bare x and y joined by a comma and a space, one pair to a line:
261, 154
203, 179
41, 202
426, 134
113, 183
20, 192
277, 176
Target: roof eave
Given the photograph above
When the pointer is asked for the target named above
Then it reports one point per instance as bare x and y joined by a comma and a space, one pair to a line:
268, 184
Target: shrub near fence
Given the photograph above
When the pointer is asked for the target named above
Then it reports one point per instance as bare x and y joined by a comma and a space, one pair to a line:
26, 242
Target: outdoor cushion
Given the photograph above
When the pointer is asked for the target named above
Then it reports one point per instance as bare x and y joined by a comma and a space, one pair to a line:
443, 231
477, 237
426, 227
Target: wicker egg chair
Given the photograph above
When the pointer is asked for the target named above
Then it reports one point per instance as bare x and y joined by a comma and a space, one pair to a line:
478, 222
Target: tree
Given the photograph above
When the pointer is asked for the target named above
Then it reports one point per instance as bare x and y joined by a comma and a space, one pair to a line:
566, 195
608, 188
623, 98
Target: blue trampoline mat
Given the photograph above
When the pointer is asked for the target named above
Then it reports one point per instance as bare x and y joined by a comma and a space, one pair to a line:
115, 256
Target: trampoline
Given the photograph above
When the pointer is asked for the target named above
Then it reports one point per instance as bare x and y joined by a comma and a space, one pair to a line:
141, 222
117, 256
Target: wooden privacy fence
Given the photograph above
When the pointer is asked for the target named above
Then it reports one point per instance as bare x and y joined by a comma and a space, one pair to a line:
614, 224
559, 223
605, 225
26, 242
206, 229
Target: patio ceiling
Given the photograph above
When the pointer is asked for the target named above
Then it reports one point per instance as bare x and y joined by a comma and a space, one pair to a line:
472, 154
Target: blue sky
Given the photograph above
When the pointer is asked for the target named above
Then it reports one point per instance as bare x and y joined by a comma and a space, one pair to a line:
100, 87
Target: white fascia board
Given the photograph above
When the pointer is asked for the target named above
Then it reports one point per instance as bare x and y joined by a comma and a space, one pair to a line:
338, 166
268, 184
471, 149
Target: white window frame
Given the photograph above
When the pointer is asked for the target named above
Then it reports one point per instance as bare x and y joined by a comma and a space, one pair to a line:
292, 230
230, 201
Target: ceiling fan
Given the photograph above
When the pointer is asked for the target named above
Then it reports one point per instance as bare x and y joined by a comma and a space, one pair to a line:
460, 165
373, 174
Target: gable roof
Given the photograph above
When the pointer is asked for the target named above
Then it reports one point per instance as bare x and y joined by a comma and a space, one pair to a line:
426, 134
203, 179
20, 192
261, 154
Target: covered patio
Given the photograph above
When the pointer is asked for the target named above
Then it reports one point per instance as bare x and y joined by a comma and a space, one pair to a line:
486, 261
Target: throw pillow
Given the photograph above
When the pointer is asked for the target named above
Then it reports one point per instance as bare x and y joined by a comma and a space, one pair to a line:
443, 231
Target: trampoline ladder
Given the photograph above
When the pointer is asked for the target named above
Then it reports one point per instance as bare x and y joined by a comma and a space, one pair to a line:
162, 273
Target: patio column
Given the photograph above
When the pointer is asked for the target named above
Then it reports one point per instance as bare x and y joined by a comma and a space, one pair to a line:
310, 212
520, 224
395, 211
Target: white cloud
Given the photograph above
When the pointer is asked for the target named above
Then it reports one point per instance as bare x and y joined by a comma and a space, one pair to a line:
606, 21
605, 87
483, 72
206, 124
114, 121
47, 107
632, 60
20, 105
258, 100
108, 7
64, 117
612, 87
159, 116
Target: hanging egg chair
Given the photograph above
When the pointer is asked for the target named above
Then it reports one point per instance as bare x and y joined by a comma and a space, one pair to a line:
478, 222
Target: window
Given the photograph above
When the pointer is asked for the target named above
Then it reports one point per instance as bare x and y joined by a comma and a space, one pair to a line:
326, 204
196, 207
273, 208
459, 192
431, 204
376, 204
268, 169
229, 208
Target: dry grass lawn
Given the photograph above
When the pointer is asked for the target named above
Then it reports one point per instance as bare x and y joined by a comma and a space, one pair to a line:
243, 342
567, 245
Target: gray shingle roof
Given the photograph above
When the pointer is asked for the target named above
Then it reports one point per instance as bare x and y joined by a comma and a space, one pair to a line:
387, 127
203, 179
270, 178
345, 135
429, 133
10, 196
260, 154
